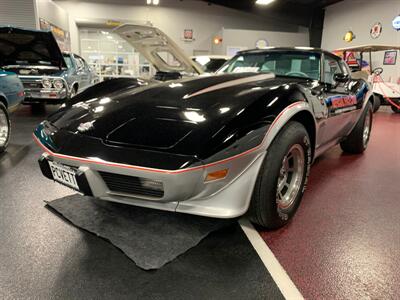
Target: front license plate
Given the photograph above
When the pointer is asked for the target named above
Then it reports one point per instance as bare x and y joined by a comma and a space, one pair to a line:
64, 175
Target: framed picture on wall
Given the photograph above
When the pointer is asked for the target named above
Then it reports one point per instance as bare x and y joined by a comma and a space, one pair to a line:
390, 57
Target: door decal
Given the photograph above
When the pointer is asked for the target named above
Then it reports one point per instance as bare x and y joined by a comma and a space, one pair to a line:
341, 103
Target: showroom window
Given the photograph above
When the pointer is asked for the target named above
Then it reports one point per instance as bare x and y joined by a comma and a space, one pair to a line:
111, 56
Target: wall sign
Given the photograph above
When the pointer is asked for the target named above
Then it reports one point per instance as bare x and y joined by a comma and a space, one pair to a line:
396, 23
390, 57
261, 44
349, 36
188, 35
376, 30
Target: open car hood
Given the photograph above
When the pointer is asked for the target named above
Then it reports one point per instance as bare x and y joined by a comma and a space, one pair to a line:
157, 48
29, 47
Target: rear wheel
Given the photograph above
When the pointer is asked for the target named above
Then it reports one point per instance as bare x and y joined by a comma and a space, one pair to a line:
358, 139
5, 128
282, 178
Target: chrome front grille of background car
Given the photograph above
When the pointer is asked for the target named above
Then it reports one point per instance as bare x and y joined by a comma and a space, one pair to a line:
35, 85
133, 185
32, 84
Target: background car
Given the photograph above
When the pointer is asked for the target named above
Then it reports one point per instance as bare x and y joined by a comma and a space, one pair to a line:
217, 146
210, 63
48, 76
11, 95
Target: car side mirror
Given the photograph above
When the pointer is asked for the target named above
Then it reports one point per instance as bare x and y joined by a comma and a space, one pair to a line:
339, 77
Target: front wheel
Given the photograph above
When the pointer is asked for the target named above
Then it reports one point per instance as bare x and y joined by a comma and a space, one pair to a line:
377, 102
5, 128
358, 139
282, 178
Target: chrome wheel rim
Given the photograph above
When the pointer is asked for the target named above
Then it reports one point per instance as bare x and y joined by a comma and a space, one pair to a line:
290, 177
367, 129
3, 128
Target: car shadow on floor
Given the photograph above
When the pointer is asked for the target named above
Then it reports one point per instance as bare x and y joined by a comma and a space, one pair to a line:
12, 157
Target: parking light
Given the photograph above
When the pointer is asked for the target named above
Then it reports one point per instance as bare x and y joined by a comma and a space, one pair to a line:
216, 175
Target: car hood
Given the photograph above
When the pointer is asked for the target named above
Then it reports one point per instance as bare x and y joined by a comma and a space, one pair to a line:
29, 47
161, 51
179, 117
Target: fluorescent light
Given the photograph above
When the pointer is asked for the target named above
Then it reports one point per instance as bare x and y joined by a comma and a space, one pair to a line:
264, 2
156, 2
148, 2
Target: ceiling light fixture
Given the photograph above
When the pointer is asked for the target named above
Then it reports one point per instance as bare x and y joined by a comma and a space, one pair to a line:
264, 2
154, 2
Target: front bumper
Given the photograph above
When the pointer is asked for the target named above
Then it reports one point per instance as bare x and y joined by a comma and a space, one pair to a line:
183, 191
36, 93
50, 96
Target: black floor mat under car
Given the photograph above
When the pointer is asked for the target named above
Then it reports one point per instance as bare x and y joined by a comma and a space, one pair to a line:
151, 238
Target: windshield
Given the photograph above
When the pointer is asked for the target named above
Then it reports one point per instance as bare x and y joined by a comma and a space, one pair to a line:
284, 63
68, 61
209, 65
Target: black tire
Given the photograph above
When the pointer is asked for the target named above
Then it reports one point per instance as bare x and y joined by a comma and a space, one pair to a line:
395, 109
356, 143
74, 90
377, 103
4, 118
264, 207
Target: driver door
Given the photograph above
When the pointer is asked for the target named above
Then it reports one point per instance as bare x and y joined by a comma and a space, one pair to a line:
340, 101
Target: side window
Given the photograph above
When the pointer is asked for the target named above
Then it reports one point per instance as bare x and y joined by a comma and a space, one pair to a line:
345, 68
79, 63
331, 67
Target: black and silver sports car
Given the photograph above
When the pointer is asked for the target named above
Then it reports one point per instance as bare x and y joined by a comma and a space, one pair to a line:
241, 141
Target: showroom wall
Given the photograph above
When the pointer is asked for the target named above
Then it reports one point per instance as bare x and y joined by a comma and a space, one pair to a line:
53, 13
359, 16
20, 13
174, 16
246, 39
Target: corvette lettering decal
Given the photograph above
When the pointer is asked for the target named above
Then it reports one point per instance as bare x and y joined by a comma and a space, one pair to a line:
336, 102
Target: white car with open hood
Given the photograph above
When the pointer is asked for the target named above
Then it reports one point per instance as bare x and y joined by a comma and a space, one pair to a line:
162, 52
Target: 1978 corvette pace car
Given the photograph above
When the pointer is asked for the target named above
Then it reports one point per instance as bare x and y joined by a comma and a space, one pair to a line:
218, 146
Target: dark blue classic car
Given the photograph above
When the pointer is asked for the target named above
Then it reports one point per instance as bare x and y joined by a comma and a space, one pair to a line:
48, 75
11, 95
